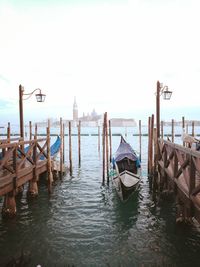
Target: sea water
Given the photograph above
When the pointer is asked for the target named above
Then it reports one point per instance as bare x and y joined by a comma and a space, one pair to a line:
83, 223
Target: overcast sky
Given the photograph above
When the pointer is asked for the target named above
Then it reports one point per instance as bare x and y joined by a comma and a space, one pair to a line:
109, 54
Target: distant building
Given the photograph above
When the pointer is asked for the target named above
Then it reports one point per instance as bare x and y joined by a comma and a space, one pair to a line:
91, 120
75, 111
120, 122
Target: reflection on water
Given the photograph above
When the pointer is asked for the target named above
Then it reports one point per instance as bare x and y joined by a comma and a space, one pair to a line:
86, 224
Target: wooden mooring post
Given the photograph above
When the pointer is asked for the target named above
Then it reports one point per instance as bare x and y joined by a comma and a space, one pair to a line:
148, 164
155, 167
99, 138
8, 132
153, 134
110, 140
172, 131
103, 157
9, 209
183, 127
49, 171
30, 130
33, 186
107, 148
150, 145
70, 148
61, 149
140, 139
193, 128
63, 143
36, 128
79, 144
162, 129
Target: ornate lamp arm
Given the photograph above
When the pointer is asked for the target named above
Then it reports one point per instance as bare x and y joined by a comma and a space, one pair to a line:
163, 90
39, 97
30, 94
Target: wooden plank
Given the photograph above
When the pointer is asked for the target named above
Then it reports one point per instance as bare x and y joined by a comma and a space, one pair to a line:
182, 149
20, 143
196, 162
192, 175
182, 167
195, 190
42, 150
7, 157
172, 131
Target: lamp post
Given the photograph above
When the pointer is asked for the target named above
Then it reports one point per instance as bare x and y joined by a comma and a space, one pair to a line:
161, 90
39, 97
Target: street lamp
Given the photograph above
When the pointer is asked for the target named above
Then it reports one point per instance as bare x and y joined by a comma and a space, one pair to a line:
39, 97
161, 90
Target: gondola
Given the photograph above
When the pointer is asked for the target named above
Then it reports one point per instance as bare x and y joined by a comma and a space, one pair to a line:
54, 149
127, 166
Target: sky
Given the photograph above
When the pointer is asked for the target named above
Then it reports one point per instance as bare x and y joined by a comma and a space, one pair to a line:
109, 54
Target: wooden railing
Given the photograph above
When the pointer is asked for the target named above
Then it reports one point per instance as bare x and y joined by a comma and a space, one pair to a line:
181, 166
17, 161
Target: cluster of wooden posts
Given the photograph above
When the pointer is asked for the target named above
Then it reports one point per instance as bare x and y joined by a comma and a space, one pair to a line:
171, 167
174, 169
107, 147
19, 165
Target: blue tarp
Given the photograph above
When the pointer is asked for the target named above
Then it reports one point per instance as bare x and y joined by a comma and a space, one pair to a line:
54, 148
126, 151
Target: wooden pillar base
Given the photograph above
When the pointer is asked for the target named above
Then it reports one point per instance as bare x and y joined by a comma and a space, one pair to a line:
33, 189
155, 181
19, 190
184, 211
55, 175
50, 181
188, 212
9, 206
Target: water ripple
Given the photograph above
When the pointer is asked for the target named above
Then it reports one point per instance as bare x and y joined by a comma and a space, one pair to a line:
85, 224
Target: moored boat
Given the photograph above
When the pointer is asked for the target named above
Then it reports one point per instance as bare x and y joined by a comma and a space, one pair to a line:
127, 165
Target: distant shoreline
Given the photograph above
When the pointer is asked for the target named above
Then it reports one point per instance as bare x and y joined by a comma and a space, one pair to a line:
93, 134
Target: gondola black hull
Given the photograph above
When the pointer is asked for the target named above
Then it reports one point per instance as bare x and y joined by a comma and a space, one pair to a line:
128, 191
126, 164
126, 183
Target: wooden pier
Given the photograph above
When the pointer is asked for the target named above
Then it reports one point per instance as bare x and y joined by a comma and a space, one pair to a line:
22, 162
179, 171
174, 169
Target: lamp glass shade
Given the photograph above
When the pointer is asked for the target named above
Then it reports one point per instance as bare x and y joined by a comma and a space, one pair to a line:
167, 94
40, 97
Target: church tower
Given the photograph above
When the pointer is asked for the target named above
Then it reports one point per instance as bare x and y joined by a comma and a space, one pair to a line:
75, 110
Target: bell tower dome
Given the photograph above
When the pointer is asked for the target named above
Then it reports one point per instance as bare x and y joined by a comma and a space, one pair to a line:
75, 110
